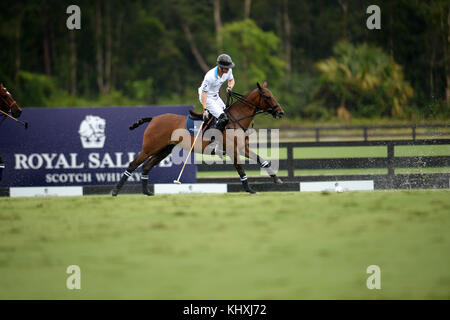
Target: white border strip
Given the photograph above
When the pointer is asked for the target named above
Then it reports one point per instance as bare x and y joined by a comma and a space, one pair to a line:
338, 186
45, 191
191, 188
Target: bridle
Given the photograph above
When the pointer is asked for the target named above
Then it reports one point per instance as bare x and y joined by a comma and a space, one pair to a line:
257, 107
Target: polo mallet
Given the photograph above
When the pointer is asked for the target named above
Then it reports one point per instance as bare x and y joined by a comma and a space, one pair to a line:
185, 161
22, 122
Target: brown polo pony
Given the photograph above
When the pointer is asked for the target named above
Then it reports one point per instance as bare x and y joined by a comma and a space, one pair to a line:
158, 140
7, 104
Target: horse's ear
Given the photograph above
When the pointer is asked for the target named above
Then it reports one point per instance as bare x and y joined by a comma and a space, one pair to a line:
259, 87
265, 84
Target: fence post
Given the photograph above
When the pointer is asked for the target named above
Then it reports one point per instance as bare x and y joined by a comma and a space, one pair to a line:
414, 133
365, 133
290, 161
390, 163
317, 134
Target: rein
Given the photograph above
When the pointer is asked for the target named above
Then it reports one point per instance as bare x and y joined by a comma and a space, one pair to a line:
241, 98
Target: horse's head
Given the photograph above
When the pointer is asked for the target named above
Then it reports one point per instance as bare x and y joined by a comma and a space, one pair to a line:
269, 103
7, 102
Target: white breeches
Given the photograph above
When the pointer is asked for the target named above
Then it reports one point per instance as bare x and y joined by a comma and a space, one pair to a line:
214, 105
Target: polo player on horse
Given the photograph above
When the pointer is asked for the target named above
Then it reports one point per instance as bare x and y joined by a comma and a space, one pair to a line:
209, 92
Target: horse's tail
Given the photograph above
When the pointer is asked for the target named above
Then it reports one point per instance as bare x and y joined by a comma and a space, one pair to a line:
139, 122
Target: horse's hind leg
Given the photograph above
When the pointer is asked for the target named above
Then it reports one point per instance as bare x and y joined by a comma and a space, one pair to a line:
131, 167
148, 166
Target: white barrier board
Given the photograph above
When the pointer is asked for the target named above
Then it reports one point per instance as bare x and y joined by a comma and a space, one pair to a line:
190, 188
45, 191
339, 186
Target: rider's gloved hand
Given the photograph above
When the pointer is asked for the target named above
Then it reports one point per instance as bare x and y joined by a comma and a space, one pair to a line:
229, 89
205, 115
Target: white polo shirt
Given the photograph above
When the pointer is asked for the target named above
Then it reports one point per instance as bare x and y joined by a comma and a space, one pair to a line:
212, 82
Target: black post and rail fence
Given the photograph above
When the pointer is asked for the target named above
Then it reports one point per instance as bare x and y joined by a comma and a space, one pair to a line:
390, 162
371, 132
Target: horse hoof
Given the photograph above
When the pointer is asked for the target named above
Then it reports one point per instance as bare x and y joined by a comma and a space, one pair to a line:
148, 193
251, 191
114, 192
278, 181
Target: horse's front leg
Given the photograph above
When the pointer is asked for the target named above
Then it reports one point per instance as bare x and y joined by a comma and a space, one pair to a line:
266, 164
244, 178
240, 170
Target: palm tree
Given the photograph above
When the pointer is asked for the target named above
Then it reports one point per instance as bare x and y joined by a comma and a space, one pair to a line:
360, 76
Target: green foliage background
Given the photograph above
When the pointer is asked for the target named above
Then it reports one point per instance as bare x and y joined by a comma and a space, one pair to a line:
316, 55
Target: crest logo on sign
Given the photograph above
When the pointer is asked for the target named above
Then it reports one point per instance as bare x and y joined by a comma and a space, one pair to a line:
92, 132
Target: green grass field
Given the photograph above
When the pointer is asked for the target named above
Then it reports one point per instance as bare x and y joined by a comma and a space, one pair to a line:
232, 246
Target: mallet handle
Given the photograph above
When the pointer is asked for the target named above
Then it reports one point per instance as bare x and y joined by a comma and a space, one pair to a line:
192, 147
24, 123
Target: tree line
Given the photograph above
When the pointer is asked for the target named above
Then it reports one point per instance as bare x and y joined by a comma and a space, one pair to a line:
319, 57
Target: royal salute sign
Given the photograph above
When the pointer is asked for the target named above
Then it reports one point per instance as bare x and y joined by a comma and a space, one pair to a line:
81, 146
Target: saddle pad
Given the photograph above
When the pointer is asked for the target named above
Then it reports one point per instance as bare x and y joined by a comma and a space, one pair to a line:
193, 125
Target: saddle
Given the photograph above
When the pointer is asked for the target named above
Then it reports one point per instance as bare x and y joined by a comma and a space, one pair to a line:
196, 117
